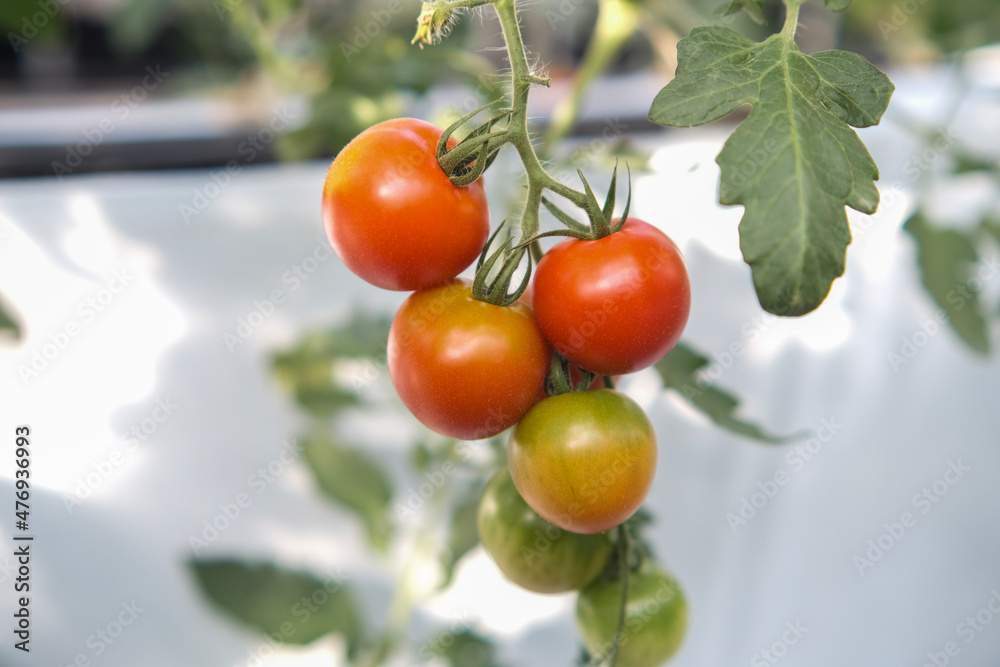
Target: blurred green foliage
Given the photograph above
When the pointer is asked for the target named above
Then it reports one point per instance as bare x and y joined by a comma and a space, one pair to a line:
438, 495
350, 477
23, 21
9, 326
290, 607
354, 62
684, 370
466, 649
307, 369
957, 262
351, 58
922, 29
463, 534
949, 261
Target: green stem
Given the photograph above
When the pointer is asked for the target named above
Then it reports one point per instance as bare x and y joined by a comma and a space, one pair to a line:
535, 248
791, 19
517, 129
466, 4
623, 569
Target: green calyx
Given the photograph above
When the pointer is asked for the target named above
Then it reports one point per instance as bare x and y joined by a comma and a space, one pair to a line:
601, 225
467, 161
559, 381
495, 290
601, 222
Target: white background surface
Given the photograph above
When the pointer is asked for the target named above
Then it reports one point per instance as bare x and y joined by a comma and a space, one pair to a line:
161, 338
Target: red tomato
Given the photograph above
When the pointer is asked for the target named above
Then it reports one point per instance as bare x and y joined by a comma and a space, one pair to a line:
393, 216
466, 368
615, 305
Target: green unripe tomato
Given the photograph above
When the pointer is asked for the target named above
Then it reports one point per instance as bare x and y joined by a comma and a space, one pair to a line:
529, 550
655, 617
584, 460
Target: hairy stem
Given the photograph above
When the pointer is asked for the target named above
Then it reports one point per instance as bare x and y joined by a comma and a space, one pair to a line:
521, 80
791, 19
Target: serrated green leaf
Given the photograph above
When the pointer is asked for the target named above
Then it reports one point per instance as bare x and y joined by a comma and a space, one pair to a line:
353, 480
711, 80
269, 599
947, 259
680, 371
9, 326
795, 162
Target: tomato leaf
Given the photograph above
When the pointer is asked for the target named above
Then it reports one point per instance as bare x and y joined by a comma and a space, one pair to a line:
795, 162
266, 597
947, 259
352, 479
9, 326
307, 369
680, 370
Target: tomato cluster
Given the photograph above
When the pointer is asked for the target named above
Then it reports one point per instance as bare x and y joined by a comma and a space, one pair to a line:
581, 456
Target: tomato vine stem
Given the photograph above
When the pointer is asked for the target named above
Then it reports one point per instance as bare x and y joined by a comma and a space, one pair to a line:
516, 132
791, 19
521, 80
624, 571
610, 656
